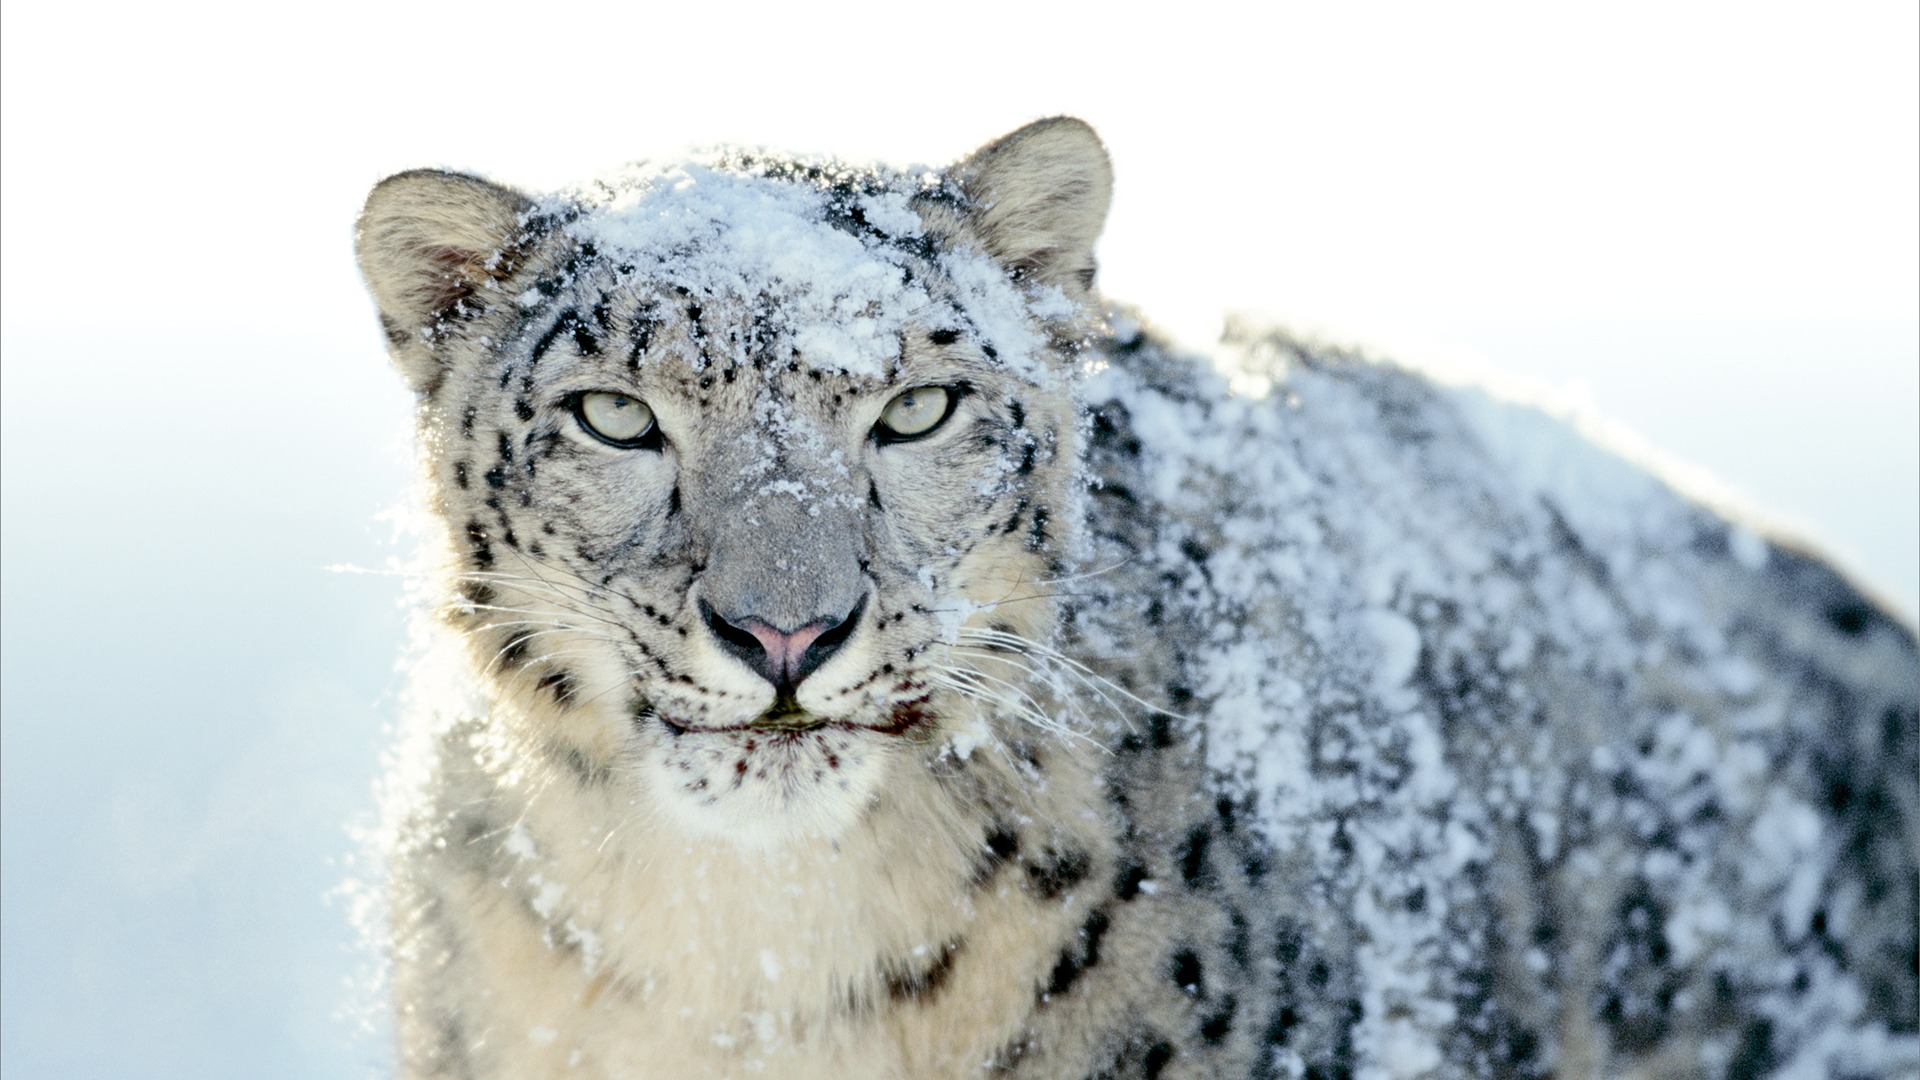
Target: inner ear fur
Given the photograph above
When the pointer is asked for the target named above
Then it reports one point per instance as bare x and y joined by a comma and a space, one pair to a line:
1041, 196
428, 241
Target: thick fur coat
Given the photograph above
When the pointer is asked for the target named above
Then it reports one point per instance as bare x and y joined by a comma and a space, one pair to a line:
885, 660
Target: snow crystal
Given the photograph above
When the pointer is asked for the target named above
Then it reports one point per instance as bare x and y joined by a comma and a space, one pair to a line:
548, 896
969, 737
519, 844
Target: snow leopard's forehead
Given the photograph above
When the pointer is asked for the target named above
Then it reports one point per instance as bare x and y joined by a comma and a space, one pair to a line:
834, 264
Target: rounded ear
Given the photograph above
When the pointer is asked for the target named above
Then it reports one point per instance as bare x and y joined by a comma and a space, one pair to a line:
1040, 197
427, 242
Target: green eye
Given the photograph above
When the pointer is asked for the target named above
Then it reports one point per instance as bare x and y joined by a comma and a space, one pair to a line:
616, 419
914, 413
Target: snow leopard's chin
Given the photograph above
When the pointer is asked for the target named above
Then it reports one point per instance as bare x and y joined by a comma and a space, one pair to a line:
763, 786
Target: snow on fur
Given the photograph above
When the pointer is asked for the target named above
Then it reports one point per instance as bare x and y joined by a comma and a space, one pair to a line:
1433, 632
827, 258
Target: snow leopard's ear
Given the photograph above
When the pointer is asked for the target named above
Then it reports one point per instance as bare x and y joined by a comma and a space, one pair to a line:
1040, 196
429, 242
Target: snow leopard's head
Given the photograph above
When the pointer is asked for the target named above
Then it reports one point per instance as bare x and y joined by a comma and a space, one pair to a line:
755, 471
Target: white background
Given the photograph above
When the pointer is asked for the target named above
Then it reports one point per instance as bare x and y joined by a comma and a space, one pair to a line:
1701, 218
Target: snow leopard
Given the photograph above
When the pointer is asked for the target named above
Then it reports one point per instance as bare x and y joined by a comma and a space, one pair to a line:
877, 655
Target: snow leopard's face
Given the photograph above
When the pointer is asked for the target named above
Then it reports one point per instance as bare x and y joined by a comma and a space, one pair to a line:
754, 474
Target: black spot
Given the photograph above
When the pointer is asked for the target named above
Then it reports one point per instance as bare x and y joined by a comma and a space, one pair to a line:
673, 501
514, 652
1851, 619
1002, 844
873, 497
1253, 863
1018, 413
639, 341
1187, 973
1224, 809
1239, 939
522, 408
1215, 1028
1080, 956
1191, 549
1755, 1056
496, 477
1521, 1048
1158, 1055
460, 474
1839, 794
467, 417
1290, 940
944, 337
923, 984
1062, 871
1281, 1026
1037, 532
1894, 724
1160, 730
560, 683
1127, 885
479, 548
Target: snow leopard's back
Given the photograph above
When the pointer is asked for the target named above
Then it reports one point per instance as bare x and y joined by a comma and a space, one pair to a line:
1547, 769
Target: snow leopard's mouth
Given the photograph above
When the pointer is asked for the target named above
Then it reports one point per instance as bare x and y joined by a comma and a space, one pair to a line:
788, 719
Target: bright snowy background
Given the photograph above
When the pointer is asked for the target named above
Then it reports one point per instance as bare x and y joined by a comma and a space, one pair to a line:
1704, 216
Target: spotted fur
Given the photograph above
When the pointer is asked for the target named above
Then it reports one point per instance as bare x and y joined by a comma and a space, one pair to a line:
1087, 754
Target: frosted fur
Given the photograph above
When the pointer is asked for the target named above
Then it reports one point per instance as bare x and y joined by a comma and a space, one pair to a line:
1368, 728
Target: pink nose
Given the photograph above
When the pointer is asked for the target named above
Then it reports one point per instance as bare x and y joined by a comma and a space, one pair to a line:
782, 657
784, 651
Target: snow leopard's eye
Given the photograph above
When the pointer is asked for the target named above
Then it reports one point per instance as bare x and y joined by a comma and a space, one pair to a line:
914, 413
617, 419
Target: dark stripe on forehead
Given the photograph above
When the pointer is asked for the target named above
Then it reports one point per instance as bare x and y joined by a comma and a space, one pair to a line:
561, 323
640, 336
585, 341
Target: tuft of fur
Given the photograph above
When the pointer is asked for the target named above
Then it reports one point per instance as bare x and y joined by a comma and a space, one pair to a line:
1124, 727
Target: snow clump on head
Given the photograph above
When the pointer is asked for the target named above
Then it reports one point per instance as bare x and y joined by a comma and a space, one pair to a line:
833, 259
